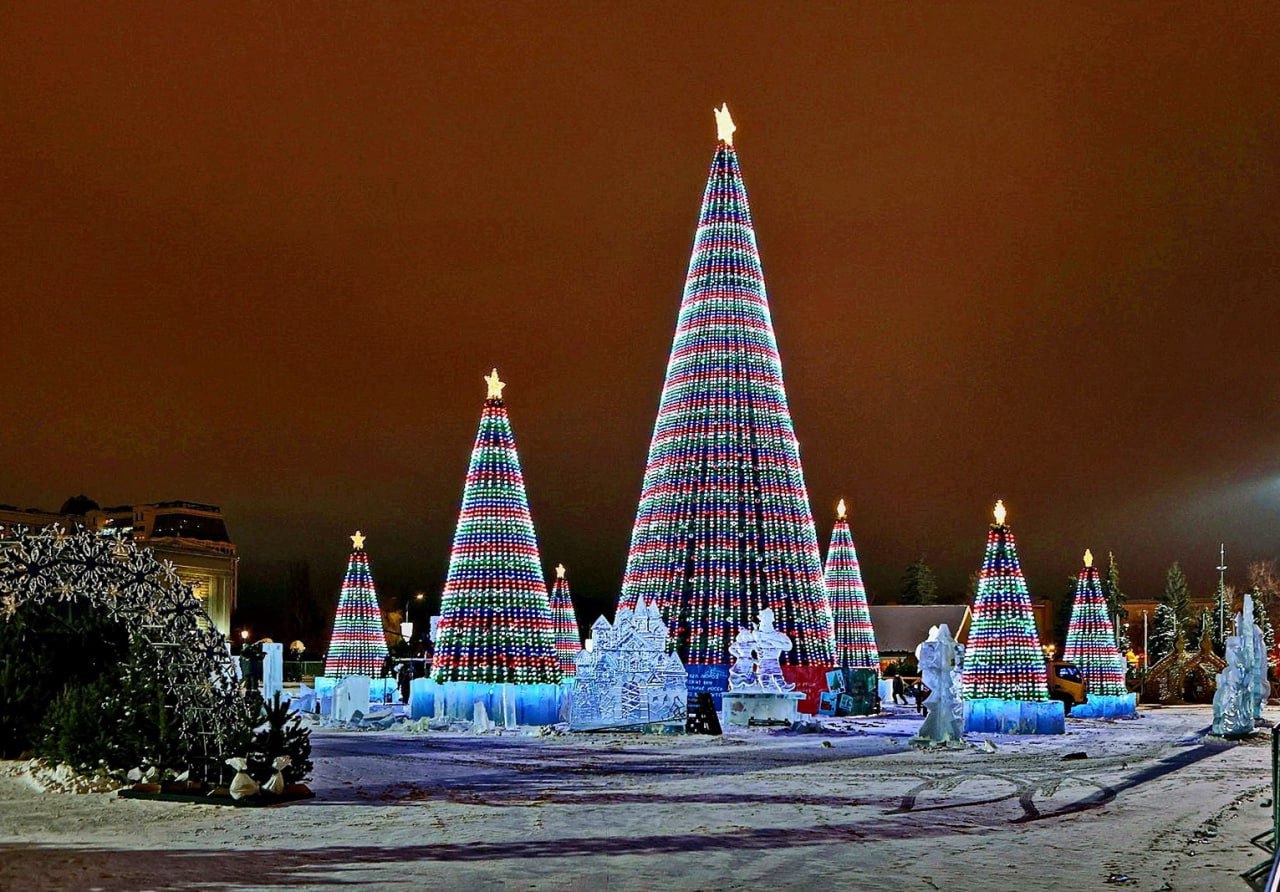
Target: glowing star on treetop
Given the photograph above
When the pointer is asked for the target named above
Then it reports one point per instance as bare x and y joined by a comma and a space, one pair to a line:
559, 571
999, 512
1088, 558
724, 124
495, 386
357, 541
840, 511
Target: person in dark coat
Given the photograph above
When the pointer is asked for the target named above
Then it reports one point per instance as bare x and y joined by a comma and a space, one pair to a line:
899, 691
919, 692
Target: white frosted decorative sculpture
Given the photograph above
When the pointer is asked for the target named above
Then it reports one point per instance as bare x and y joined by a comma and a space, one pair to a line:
941, 660
627, 677
272, 670
758, 693
756, 654
351, 698
1242, 686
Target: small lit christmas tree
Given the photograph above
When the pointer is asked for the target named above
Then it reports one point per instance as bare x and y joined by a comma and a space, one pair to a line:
568, 640
359, 643
1091, 641
495, 617
724, 528
855, 638
1003, 660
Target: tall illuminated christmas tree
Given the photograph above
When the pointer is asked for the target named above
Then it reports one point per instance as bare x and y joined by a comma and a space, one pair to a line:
1091, 639
495, 618
568, 639
358, 645
1003, 659
724, 528
855, 638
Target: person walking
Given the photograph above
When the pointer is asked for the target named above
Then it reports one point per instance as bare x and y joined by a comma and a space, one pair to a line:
899, 691
919, 691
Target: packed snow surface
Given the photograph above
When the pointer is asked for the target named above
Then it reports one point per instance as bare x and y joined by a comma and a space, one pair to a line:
847, 804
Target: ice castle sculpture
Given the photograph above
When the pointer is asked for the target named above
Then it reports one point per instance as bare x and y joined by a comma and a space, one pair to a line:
627, 677
1242, 686
941, 660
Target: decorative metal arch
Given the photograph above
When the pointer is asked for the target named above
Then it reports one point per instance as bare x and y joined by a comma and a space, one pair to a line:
112, 574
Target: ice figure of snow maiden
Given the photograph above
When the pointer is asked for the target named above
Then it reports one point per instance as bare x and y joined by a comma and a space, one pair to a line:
941, 659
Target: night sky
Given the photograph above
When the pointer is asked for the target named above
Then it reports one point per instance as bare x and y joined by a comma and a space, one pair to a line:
261, 256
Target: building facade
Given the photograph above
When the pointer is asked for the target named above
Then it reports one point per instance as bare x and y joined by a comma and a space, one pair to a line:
191, 536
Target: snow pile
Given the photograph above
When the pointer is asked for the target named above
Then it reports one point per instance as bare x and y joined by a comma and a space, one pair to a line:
62, 778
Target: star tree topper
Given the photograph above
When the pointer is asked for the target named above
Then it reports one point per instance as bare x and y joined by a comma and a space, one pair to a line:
559, 571
999, 512
840, 511
1088, 558
724, 124
495, 386
357, 541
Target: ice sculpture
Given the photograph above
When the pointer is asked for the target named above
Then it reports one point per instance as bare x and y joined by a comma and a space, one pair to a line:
758, 693
351, 696
756, 658
272, 670
1242, 686
628, 678
941, 660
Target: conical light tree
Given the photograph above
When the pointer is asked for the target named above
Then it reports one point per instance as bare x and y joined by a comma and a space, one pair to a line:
495, 618
1091, 640
1003, 659
358, 645
855, 637
568, 639
724, 527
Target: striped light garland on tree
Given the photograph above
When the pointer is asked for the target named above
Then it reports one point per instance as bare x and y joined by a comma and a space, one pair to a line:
724, 527
1091, 640
855, 637
568, 640
358, 645
1003, 659
495, 618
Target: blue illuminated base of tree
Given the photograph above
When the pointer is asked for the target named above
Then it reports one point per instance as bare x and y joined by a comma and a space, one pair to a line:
531, 704
380, 689
991, 716
1107, 707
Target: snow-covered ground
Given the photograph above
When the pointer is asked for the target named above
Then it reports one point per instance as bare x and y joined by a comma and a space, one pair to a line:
850, 808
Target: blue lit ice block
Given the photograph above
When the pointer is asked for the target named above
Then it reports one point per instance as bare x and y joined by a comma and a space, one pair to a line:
422, 698
1110, 706
520, 704
991, 716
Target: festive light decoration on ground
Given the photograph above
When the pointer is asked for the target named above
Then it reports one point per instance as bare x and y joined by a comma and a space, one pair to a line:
568, 640
128, 585
1003, 659
855, 637
724, 528
1091, 639
359, 644
495, 617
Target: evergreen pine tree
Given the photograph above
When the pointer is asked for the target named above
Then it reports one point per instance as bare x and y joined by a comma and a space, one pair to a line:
358, 645
1003, 659
855, 637
919, 585
1116, 603
1163, 634
1091, 641
568, 638
1177, 597
724, 527
495, 616
1220, 617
